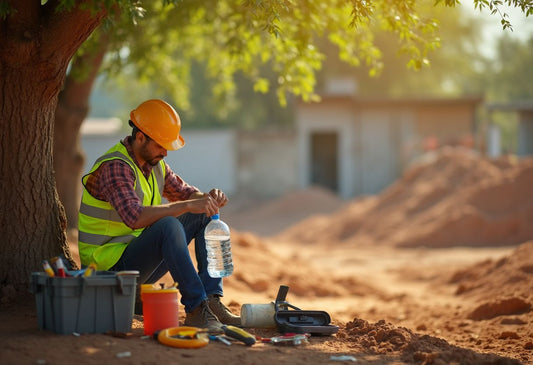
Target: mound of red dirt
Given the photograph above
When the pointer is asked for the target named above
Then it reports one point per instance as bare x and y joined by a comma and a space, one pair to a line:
271, 217
502, 287
454, 198
384, 338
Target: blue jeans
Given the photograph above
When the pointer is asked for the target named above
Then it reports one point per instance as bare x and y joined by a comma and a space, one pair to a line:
163, 247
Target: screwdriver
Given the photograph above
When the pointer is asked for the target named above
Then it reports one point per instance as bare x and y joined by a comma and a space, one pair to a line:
221, 339
48, 269
239, 334
60, 268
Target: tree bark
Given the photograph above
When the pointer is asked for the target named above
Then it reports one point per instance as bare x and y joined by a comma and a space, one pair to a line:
72, 109
33, 221
37, 44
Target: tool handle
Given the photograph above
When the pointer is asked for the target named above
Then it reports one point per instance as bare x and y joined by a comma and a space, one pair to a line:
221, 339
282, 293
239, 334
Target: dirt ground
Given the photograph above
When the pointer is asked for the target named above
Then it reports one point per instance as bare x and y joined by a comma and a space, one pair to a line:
438, 269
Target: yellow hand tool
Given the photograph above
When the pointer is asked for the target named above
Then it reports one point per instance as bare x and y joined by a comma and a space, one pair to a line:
239, 334
90, 270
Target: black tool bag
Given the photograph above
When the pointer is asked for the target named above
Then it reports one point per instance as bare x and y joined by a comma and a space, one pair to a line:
291, 319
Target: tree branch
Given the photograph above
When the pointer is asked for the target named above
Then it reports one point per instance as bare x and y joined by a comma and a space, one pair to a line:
24, 15
66, 30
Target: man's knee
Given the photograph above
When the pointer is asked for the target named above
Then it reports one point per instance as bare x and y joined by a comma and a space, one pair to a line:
168, 225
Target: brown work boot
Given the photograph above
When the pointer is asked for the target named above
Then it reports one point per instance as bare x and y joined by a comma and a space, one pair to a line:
223, 314
202, 317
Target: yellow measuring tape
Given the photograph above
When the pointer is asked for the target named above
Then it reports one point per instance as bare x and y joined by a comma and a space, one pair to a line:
184, 337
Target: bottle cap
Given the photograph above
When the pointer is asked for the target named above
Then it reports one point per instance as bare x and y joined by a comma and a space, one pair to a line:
215, 216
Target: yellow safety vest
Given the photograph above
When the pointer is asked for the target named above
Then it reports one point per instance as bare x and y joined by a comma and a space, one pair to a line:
103, 236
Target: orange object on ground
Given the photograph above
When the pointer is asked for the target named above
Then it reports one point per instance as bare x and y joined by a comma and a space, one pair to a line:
184, 337
160, 308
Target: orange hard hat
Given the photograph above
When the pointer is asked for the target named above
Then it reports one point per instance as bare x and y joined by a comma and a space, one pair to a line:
160, 122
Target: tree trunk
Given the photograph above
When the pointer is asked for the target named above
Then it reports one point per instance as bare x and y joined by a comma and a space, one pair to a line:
37, 44
33, 221
72, 109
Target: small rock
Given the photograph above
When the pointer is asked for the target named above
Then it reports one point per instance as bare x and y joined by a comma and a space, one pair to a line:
508, 334
343, 358
512, 321
421, 327
123, 354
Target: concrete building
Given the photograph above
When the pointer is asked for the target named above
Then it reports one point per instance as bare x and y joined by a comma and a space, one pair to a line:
360, 146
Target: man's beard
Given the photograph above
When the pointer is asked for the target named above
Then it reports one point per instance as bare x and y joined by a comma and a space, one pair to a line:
155, 161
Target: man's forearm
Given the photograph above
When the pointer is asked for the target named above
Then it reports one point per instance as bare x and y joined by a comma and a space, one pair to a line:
151, 214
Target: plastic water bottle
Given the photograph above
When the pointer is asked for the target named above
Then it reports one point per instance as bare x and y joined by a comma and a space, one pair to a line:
217, 241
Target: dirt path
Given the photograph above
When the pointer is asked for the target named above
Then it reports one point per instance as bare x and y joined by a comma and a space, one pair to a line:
396, 273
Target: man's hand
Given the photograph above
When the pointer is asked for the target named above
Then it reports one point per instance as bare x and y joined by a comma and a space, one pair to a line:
208, 203
203, 204
220, 198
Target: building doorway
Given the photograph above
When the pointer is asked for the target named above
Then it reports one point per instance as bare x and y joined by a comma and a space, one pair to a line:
324, 160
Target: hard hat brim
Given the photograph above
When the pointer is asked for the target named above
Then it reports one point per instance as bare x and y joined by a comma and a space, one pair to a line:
174, 145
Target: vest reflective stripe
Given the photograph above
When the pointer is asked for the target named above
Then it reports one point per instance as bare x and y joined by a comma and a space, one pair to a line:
103, 236
99, 212
92, 237
159, 174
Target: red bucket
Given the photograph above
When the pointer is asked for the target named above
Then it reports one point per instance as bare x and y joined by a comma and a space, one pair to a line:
160, 308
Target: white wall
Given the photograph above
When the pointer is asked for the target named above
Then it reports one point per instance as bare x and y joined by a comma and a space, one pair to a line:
378, 152
267, 163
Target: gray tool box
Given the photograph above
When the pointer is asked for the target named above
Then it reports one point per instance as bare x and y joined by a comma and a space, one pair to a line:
94, 304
